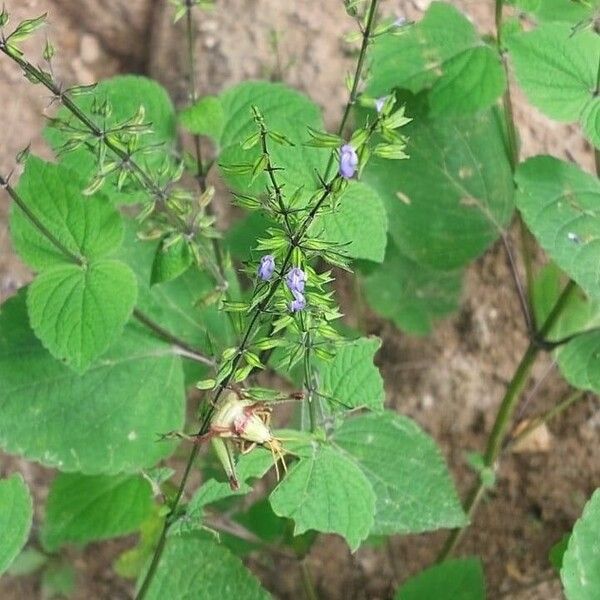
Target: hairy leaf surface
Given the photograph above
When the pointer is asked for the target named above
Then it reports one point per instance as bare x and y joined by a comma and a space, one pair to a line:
557, 71
195, 565
105, 421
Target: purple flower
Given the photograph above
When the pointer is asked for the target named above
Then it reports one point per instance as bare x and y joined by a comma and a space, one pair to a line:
379, 103
295, 279
298, 303
266, 267
348, 161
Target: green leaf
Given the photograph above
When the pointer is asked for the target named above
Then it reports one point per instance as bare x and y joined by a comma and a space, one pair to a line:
16, 513
87, 508
458, 579
171, 261
87, 226
360, 222
105, 421
443, 54
351, 379
195, 566
557, 552
557, 71
412, 296
560, 204
125, 93
77, 312
580, 572
574, 11
579, 361
447, 204
206, 117
285, 111
178, 305
413, 487
329, 493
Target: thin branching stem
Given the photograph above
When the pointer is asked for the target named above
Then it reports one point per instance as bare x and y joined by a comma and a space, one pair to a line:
200, 174
573, 397
295, 241
524, 294
20, 202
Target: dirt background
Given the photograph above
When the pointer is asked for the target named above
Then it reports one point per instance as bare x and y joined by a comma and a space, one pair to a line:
450, 382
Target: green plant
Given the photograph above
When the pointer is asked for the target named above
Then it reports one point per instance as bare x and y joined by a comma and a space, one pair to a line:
139, 297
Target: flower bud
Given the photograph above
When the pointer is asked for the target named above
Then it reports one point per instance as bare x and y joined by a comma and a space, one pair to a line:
348, 161
295, 279
298, 303
266, 267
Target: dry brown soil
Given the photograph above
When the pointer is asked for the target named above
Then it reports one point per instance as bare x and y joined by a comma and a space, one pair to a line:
450, 382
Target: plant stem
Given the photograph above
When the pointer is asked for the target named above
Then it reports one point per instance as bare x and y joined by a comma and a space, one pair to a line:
573, 397
76, 258
513, 157
295, 241
37, 75
200, 169
504, 415
366, 39
189, 351
307, 583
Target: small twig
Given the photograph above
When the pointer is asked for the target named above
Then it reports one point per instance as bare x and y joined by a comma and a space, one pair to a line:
537, 422
183, 348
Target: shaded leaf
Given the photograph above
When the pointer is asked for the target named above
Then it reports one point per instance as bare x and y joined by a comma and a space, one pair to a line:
458, 579
447, 204
87, 508
16, 513
412, 296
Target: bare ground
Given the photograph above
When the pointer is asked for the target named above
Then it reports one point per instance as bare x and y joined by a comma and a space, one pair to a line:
450, 382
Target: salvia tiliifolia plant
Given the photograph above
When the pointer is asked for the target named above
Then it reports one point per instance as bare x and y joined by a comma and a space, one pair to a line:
142, 300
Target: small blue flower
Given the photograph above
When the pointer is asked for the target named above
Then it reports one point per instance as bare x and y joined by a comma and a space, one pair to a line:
379, 103
348, 161
266, 267
295, 279
400, 22
298, 303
